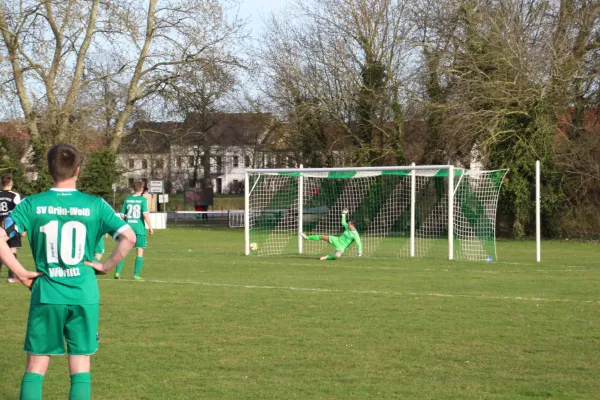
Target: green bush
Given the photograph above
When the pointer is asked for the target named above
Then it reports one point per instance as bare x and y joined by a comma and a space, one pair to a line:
100, 172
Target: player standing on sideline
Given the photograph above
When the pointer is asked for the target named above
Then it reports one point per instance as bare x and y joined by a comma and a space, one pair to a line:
64, 226
135, 212
340, 243
8, 201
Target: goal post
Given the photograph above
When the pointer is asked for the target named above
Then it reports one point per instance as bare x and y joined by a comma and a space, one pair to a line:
404, 211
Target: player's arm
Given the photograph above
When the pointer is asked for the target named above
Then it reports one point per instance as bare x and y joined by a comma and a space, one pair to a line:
123, 213
125, 242
8, 258
147, 219
344, 223
119, 230
146, 215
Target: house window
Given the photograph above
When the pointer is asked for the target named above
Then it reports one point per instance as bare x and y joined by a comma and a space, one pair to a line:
236, 161
130, 181
235, 186
202, 159
290, 162
131, 163
159, 163
247, 161
179, 161
191, 161
192, 183
144, 164
219, 163
278, 161
269, 164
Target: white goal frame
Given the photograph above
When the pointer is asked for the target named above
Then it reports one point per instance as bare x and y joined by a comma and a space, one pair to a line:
412, 168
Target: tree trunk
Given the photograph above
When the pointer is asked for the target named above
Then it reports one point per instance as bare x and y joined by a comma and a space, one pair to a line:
133, 90
11, 42
206, 178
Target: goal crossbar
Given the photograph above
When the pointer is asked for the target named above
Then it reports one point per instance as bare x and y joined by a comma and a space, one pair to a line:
344, 169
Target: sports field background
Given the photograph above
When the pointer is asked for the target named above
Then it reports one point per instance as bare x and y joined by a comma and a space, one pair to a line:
210, 323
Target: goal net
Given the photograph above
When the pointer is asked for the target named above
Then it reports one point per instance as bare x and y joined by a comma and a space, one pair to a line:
418, 211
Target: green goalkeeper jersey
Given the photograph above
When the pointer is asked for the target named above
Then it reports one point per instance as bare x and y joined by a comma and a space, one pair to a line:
134, 208
64, 227
349, 236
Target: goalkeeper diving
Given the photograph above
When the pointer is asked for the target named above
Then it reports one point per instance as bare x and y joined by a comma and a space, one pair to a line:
340, 243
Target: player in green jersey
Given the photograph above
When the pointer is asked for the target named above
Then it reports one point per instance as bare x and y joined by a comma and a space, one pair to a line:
99, 250
340, 243
135, 212
64, 227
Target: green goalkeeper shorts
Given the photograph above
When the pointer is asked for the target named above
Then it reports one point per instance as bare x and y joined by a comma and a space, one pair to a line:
50, 325
140, 242
335, 242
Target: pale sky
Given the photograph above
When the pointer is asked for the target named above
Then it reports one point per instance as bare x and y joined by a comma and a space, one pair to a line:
257, 11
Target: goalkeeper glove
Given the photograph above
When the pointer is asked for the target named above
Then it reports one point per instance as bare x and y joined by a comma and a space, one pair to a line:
360, 254
345, 211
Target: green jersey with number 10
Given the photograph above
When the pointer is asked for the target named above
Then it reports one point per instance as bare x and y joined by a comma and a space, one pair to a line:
134, 208
64, 227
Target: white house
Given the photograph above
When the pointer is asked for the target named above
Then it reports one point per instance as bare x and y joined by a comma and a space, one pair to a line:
175, 152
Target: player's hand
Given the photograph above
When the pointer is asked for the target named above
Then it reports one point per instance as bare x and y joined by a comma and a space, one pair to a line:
28, 277
98, 266
359, 254
345, 211
150, 231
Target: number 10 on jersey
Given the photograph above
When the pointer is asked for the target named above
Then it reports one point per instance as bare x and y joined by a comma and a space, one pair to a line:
72, 234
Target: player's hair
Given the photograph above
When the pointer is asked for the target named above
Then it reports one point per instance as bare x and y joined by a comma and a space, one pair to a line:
6, 179
138, 186
63, 161
352, 222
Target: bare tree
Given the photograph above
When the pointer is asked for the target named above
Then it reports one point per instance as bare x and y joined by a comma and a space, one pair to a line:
340, 66
196, 96
54, 47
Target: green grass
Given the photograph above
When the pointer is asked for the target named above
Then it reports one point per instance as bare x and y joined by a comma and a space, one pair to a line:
209, 323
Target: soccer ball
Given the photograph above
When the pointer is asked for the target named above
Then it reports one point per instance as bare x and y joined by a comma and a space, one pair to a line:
253, 246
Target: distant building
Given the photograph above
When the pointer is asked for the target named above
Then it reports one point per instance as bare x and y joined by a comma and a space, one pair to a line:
175, 152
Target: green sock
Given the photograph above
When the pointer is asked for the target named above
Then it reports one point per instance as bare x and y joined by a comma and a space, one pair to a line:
81, 386
139, 263
120, 266
31, 386
313, 237
332, 257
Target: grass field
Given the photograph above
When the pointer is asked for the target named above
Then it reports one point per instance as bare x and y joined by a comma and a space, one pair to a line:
209, 323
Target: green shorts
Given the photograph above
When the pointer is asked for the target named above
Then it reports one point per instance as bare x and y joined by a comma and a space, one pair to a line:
50, 325
140, 242
100, 247
335, 242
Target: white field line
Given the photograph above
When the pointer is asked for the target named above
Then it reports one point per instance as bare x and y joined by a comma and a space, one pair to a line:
338, 264
377, 292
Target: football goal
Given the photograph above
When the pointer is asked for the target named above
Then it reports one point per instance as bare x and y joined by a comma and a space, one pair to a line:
410, 211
